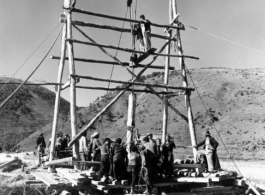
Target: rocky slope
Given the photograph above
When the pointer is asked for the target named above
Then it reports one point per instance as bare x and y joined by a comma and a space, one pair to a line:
233, 106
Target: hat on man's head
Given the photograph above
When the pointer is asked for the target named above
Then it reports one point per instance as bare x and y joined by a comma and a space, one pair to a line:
142, 16
41, 134
149, 134
94, 134
206, 132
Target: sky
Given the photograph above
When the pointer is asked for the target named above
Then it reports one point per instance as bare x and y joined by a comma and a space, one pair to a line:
25, 24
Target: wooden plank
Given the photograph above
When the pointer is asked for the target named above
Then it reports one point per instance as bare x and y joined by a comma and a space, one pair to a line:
28, 182
8, 163
45, 178
87, 162
114, 28
134, 83
59, 161
144, 56
128, 50
71, 173
73, 181
188, 166
200, 179
121, 19
109, 63
214, 189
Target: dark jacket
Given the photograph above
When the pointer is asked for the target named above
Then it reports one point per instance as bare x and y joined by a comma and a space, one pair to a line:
41, 141
147, 26
213, 143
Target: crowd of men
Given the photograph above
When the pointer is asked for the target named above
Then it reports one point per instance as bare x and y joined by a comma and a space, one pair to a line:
148, 159
145, 158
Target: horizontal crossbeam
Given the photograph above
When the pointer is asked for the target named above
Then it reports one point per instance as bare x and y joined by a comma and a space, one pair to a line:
19, 83
122, 19
133, 83
114, 28
112, 63
171, 93
129, 50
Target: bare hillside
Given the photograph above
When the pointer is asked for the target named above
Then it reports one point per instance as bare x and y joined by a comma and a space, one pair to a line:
27, 112
234, 100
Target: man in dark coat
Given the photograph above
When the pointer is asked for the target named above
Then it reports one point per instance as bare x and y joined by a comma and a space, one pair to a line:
41, 145
146, 32
209, 151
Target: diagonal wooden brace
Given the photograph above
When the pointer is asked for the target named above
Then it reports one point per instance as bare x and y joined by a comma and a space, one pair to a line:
120, 94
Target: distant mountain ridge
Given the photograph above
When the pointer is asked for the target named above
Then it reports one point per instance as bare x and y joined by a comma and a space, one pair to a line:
234, 98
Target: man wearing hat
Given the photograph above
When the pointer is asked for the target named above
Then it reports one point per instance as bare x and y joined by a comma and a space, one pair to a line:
209, 151
95, 149
146, 32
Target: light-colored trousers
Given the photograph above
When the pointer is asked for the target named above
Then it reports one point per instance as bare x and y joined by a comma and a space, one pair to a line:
147, 41
209, 157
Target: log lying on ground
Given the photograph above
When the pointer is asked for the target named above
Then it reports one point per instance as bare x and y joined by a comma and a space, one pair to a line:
122, 19
8, 163
129, 50
134, 83
59, 161
111, 63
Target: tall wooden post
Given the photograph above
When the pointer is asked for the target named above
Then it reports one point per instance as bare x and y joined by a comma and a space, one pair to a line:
58, 96
70, 48
185, 84
167, 64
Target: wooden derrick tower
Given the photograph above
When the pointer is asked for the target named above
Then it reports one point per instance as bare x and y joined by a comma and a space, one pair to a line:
173, 34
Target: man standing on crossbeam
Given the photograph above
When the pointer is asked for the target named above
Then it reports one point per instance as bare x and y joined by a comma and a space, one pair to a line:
146, 32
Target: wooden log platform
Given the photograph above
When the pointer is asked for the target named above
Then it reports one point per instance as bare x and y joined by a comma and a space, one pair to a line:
113, 63
129, 50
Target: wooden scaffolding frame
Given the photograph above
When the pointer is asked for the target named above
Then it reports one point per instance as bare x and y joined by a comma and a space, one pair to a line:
67, 46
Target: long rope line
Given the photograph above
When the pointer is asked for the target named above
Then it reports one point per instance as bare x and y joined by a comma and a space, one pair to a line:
224, 39
30, 55
32, 71
117, 51
213, 123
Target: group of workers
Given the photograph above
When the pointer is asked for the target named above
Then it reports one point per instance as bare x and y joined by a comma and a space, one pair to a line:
148, 159
61, 144
145, 158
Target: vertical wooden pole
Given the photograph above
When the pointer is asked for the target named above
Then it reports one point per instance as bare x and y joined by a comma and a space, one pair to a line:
167, 64
70, 49
185, 84
58, 96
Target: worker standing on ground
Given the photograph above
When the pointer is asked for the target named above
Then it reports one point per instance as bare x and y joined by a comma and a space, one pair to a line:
105, 160
41, 145
118, 160
134, 162
145, 167
170, 145
95, 149
151, 150
146, 32
83, 148
209, 150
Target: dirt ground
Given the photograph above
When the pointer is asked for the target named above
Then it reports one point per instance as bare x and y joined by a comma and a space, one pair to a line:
252, 170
